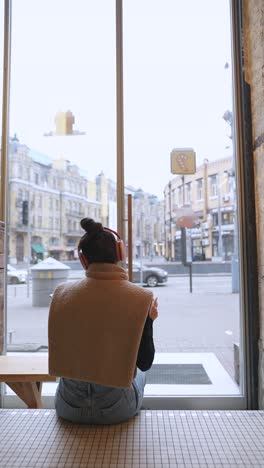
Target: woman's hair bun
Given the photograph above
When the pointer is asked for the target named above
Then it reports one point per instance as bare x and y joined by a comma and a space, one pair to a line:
90, 226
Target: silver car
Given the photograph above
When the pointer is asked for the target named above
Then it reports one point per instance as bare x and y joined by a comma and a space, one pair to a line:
15, 276
151, 276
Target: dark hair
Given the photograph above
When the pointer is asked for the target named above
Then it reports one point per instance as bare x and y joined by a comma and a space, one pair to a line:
97, 245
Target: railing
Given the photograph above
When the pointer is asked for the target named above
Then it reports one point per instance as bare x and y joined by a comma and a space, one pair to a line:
73, 232
76, 213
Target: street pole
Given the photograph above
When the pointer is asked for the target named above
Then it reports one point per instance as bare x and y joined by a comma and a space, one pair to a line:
220, 240
170, 208
141, 272
165, 225
228, 117
234, 262
183, 190
28, 241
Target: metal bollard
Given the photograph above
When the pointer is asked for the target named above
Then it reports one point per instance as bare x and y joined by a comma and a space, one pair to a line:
10, 336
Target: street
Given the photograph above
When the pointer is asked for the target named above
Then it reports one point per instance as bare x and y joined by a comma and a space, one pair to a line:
206, 320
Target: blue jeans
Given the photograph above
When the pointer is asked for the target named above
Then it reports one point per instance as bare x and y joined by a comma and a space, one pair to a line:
86, 403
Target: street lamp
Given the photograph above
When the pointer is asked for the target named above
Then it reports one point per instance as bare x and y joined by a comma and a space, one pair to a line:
220, 238
171, 224
228, 118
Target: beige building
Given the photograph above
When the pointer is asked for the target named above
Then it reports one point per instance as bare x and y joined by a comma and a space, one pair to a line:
58, 195
209, 197
147, 224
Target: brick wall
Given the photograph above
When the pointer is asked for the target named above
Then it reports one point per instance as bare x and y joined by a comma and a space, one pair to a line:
253, 43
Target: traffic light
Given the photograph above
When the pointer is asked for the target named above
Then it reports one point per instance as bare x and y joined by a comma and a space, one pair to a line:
25, 212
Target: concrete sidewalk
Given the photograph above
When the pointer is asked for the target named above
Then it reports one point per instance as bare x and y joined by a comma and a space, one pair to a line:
205, 321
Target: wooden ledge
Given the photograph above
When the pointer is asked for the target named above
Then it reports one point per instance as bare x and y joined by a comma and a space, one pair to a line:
25, 369
24, 375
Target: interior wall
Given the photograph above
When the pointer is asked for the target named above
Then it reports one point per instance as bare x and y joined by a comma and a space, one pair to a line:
253, 45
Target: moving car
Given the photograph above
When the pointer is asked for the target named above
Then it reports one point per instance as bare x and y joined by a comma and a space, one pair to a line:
151, 276
15, 276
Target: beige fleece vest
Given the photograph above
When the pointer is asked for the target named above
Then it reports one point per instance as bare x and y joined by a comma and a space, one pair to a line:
95, 327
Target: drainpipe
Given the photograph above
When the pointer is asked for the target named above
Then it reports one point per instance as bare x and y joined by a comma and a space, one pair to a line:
205, 189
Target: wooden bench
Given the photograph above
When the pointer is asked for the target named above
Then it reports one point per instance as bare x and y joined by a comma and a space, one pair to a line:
24, 375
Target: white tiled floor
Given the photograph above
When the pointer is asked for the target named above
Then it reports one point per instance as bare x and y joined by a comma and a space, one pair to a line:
184, 439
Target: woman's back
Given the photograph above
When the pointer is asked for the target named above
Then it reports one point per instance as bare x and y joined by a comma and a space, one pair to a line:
95, 326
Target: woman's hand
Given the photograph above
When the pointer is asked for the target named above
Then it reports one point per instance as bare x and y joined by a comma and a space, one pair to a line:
153, 313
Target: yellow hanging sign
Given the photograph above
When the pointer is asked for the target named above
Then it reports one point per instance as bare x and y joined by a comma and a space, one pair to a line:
183, 161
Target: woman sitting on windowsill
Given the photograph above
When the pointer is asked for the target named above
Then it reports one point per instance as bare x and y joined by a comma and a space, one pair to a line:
100, 335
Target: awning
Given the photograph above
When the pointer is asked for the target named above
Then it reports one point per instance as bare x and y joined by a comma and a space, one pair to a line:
38, 248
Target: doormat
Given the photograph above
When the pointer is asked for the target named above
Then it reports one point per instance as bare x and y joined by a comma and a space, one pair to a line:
178, 374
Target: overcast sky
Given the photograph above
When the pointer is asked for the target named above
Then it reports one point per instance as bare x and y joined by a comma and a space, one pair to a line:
176, 86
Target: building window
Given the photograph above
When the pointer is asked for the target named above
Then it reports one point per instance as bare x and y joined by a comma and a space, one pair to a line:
69, 225
230, 183
199, 189
40, 202
20, 172
39, 221
36, 178
57, 205
174, 199
215, 219
20, 195
213, 186
188, 192
54, 241
227, 218
51, 223
180, 195
50, 203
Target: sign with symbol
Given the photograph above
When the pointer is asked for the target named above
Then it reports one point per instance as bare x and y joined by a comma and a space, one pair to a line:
183, 161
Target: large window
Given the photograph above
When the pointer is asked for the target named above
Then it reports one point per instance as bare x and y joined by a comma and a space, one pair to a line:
62, 154
63, 160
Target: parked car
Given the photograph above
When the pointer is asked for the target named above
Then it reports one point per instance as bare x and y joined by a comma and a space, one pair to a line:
151, 276
15, 276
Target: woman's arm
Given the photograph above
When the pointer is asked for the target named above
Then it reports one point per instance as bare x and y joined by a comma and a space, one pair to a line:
146, 350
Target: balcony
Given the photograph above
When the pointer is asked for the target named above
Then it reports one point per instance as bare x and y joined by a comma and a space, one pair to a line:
73, 233
75, 213
19, 227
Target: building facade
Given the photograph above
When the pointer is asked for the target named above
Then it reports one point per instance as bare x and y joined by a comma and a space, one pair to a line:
147, 224
57, 196
208, 198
